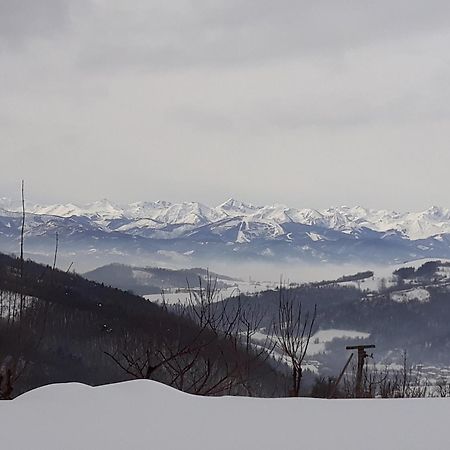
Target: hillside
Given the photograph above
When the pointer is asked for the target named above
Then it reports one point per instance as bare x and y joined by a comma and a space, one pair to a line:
410, 311
58, 327
153, 280
141, 415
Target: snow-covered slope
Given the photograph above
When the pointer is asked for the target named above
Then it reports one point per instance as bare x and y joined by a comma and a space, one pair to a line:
147, 415
102, 208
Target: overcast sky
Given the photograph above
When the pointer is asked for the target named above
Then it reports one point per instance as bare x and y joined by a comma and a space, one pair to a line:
307, 103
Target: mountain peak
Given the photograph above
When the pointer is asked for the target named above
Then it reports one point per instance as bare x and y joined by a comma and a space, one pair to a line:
103, 203
233, 204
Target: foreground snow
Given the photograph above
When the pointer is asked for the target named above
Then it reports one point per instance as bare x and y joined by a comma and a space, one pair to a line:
147, 415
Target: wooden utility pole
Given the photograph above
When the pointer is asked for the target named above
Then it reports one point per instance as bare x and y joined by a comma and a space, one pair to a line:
362, 356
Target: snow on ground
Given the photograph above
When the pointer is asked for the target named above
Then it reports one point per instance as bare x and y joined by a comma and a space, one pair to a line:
384, 275
420, 295
372, 284
444, 272
419, 262
319, 340
182, 296
322, 337
9, 304
315, 237
317, 345
147, 415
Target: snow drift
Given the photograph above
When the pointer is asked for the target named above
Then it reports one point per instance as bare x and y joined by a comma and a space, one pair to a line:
147, 415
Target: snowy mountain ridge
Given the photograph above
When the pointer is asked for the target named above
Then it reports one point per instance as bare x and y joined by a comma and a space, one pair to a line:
193, 233
434, 221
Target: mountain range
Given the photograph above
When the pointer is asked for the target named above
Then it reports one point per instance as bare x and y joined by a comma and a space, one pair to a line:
191, 232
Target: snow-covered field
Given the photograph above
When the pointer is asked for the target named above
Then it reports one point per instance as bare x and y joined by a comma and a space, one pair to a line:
384, 274
323, 337
415, 294
316, 347
175, 296
147, 415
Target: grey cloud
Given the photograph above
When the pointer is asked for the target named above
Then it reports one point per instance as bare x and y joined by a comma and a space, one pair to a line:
269, 116
21, 20
201, 100
224, 32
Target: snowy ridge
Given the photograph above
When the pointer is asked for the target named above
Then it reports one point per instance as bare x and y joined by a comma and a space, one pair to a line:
432, 222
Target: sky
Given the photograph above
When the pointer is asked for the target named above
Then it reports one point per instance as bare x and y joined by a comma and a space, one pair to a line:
310, 104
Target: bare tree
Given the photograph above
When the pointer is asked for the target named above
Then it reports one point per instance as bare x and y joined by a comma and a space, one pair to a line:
293, 334
19, 314
22, 230
241, 352
220, 356
142, 359
21, 260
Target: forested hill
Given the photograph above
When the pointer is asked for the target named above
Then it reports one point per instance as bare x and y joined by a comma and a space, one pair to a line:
67, 288
152, 280
57, 327
411, 313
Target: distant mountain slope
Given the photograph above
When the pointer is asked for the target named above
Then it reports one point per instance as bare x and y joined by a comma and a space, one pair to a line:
192, 233
152, 280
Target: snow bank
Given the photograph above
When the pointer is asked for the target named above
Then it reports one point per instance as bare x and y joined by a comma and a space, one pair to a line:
147, 415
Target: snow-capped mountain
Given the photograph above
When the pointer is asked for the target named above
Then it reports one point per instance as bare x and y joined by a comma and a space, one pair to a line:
232, 229
415, 225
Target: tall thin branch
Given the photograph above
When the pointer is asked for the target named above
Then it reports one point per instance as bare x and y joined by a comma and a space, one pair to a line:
56, 250
22, 229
